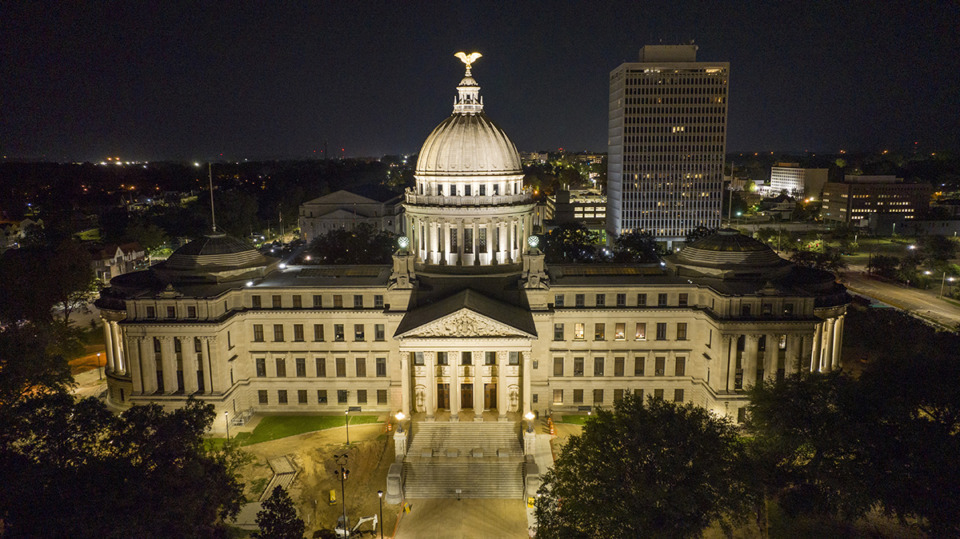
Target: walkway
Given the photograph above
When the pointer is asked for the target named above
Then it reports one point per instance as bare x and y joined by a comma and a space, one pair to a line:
920, 303
475, 518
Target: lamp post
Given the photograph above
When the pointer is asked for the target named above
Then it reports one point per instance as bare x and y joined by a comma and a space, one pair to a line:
346, 422
530, 416
380, 495
226, 421
99, 368
400, 417
343, 473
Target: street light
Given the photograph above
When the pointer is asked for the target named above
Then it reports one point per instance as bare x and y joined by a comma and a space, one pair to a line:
530, 417
99, 368
343, 473
400, 417
226, 421
346, 421
380, 495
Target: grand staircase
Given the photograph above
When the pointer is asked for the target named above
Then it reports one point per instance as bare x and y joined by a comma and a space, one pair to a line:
481, 460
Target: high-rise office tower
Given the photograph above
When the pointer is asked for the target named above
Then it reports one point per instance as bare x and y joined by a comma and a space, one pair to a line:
667, 139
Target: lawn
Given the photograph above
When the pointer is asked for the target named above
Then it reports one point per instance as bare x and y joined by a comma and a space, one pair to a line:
274, 427
574, 419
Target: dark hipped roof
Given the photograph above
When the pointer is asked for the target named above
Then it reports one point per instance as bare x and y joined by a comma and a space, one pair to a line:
504, 313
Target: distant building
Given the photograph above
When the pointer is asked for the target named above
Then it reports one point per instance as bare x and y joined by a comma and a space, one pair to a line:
13, 231
797, 181
858, 199
587, 206
666, 140
112, 260
344, 209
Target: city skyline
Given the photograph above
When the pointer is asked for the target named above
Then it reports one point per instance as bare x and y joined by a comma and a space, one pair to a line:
181, 82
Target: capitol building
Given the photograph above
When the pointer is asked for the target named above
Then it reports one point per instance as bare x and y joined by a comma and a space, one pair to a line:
468, 325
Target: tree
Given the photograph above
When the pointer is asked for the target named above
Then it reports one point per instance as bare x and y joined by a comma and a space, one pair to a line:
150, 236
937, 249
35, 280
636, 247
570, 242
828, 259
67, 462
27, 366
699, 232
361, 245
653, 469
278, 518
884, 266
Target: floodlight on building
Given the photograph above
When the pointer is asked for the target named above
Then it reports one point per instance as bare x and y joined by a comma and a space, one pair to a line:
282, 266
403, 242
249, 283
533, 241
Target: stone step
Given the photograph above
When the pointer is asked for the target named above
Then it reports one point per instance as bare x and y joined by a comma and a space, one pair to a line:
463, 436
476, 478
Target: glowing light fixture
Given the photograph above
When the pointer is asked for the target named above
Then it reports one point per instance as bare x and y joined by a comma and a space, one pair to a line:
403, 242
533, 241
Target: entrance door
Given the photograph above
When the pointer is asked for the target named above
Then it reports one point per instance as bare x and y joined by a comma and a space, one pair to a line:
466, 396
489, 396
443, 396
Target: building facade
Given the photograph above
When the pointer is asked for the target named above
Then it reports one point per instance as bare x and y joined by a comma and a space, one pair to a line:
797, 181
666, 143
345, 210
468, 323
858, 199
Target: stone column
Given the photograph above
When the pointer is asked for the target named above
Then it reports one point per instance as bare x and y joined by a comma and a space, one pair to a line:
772, 359
428, 236
135, 359
502, 358
478, 360
806, 351
117, 347
405, 383
190, 368
527, 373
169, 359
205, 358
454, 385
508, 252
837, 342
750, 361
725, 363
792, 362
149, 365
460, 242
108, 342
475, 248
827, 354
815, 353
431, 396
490, 258
444, 242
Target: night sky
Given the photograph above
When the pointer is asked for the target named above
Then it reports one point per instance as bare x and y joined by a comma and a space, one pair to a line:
87, 80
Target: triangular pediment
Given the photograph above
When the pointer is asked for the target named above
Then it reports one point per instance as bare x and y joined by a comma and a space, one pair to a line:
464, 323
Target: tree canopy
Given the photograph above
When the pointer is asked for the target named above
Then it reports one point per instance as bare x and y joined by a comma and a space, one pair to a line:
278, 519
654, 469
361, 245
36, 279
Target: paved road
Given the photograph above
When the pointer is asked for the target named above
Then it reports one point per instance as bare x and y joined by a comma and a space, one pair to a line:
921, 303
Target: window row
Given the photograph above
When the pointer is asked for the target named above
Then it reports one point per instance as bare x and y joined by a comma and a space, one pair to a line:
359, 365
620, 331
296, 301
359, 333
343, 396
619, 366
466, 358
600, 300
576, 395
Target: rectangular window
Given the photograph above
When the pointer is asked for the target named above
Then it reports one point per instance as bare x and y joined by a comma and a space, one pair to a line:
357, 301
788, 309
621, 300
341, 367
261, 367
321, 365
466, 358
442, 358
597, 396
278, 333
578, 331
258, 333
766, 309
171, 312
321, 396
417, 358
639, 363
482, 234
659, 366
151, 312
618, 366
255, 302
598, 331
558, 332
358, 332
379, 333
677, 395
301, 364
598, 366
558, 396
490, 358
661, 300
641, 300
282, 396
318, 332
658, 394
682, 299
745, 310
638, 393
341, 396
361, 367
641, 334
601, 300
381, 396
514, 358
277, 302
281, 367
578, 366
361, 396
262, 396
337, 301
298, 304
298, 332
620, 331
191, 312
580, 300
381, 367
317, 301
578, 396
681, 369
198, 346
302, 396
338, 332
378, 301
558, 366
661, 331
558, 300
617, 395
681, 331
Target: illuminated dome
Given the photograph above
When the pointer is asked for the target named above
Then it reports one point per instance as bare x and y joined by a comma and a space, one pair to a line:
215, 257
728, 247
